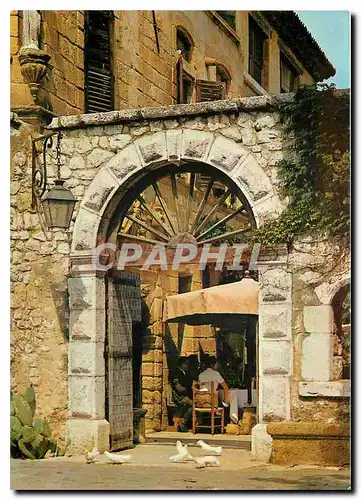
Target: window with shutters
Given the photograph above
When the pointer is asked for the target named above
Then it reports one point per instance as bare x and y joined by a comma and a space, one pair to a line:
207, 90
98, 61
185, 84
288, 76
256, 39
184, 44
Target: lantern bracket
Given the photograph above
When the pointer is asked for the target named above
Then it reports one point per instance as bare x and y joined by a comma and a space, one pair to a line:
39, 175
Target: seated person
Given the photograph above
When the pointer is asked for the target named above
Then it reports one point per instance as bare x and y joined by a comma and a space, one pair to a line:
209, 375
182, 394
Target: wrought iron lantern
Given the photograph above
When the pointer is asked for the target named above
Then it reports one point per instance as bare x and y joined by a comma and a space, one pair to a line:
58, 202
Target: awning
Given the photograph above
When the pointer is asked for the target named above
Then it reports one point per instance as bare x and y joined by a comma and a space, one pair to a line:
213, 305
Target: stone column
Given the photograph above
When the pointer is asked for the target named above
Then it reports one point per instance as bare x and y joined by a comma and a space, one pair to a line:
87, 426
275, 348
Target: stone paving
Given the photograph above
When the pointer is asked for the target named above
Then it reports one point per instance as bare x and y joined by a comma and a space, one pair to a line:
150, 469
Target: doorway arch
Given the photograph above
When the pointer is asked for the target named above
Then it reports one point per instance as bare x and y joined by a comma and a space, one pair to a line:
110, 187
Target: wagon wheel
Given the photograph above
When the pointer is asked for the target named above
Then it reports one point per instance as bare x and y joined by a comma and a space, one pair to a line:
186, 207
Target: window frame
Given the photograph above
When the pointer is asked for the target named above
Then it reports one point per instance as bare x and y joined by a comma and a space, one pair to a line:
87, 60
256, 34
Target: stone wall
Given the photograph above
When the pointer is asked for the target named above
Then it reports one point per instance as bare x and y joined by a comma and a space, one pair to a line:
39, 311
242, 138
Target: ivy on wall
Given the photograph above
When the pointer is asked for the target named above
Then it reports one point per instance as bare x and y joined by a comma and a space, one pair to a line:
315, 177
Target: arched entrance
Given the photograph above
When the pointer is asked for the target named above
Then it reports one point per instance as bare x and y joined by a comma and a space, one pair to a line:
106, 204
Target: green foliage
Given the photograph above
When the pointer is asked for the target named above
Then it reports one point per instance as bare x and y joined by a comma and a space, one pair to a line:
28, 438
316, 175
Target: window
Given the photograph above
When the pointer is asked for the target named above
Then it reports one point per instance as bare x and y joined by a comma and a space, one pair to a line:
184, 44
229, 16
98, 62
185, 84
288, 76
256, 38
184, 283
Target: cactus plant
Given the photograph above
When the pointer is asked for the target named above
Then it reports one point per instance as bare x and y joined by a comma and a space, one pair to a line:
23, 410
29, 396
28, 438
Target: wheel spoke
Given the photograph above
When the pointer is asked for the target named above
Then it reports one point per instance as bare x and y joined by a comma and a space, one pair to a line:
146, 227
140, 238
222, 221
225, 236
201, 206
153, 214
175, 197
214, 209
189, 200
163, 205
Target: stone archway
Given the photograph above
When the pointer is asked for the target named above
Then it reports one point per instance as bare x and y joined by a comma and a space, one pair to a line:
87, 424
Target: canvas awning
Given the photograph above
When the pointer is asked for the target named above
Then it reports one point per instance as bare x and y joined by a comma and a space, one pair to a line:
213, 305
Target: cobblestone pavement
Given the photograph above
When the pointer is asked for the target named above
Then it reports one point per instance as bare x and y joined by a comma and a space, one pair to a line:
150, 469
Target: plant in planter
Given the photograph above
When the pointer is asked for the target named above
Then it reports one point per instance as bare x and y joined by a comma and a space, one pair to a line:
29, 438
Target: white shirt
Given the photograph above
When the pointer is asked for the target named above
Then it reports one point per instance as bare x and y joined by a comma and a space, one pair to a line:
208, 376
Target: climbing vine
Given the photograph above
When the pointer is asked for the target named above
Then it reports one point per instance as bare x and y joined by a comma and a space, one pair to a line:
315, 177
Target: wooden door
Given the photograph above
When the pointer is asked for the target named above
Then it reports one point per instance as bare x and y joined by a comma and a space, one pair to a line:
123, 309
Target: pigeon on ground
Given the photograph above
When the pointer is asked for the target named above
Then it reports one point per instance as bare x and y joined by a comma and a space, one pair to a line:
117, 459
217, 450
207, 461
90, 455
182, 453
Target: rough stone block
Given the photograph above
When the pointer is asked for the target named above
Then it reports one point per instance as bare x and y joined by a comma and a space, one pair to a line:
332, 389
196, 144
267, 209
152, 383
274, 404
86, 358
276, 357
251, 175
125, 162
85, 230
317, 354
226, 154
318, 319
275, 321
119, 141
99, 191
174, 141
87, 324
275, 285
87, 434
86, 396
86, 292
98, 157
152, 147
261, 443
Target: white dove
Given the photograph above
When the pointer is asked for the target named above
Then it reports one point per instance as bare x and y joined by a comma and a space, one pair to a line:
207, 461
117, 459
217, 450
182, 455
90, 455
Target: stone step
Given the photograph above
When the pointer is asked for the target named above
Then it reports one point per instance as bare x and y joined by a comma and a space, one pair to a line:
230, 442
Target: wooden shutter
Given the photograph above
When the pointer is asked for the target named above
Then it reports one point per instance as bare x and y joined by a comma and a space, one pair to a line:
98, 62
123, 308
209, 91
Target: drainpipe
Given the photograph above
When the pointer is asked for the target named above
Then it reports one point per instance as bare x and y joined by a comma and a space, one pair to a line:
156, 31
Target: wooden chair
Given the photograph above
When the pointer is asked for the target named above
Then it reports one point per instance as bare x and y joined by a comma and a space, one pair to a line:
207, 402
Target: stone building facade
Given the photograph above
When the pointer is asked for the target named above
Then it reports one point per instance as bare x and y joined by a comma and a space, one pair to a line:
60, 314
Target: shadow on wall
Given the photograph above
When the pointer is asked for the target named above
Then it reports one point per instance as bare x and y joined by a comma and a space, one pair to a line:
60, 296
